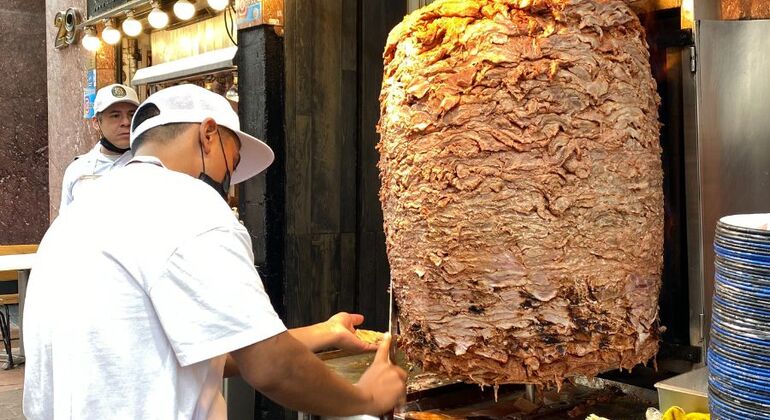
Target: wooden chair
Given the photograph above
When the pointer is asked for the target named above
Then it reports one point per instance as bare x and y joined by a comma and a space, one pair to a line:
8, 298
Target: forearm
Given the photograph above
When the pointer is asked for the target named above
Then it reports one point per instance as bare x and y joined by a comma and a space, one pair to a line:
323, 393
285, 371
315, 337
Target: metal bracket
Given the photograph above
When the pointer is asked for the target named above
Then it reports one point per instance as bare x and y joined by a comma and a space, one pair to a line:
693, 59
702, 326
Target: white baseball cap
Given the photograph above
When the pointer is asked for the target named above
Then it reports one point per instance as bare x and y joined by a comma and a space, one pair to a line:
113, 94
192, 104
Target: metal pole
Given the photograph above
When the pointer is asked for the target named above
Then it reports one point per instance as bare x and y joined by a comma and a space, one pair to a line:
529, 389
22, 279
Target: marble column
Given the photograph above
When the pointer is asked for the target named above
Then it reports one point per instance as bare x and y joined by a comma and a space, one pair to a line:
23, 125
69, 133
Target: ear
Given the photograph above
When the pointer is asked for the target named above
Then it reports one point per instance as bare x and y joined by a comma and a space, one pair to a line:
206, 134
95, 123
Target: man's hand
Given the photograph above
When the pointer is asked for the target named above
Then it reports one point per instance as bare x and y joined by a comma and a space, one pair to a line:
384, 381
283, 369
338, 332
342, 330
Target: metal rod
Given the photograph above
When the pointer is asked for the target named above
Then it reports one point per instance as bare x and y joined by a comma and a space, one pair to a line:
529, 389
131, 5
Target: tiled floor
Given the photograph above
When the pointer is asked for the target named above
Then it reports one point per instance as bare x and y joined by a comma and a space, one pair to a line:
10, 405
11, 383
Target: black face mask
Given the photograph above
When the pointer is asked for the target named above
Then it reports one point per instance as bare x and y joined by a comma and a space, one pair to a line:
221, 187
111, 147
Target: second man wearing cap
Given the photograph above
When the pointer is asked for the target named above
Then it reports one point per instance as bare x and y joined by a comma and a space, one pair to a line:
114, 106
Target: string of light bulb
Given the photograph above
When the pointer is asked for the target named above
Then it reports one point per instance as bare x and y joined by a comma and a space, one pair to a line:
132, 27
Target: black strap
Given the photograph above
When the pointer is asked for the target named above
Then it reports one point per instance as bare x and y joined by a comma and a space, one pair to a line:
111, 147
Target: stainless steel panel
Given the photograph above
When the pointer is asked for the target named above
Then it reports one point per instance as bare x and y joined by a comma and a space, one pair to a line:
704, 9
692, 193
733, 127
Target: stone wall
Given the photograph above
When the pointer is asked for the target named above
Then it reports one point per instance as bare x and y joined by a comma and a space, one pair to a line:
23, 126
69, 133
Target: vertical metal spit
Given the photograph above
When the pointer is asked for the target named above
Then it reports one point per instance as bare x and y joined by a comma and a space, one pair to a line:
529, 389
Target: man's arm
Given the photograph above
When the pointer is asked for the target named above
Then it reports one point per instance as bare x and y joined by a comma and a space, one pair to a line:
285, 371
338, 332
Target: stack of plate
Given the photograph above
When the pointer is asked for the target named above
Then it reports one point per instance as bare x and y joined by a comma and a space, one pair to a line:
739, 350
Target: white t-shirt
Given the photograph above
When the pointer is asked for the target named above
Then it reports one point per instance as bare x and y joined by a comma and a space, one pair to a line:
131, 320
86, 168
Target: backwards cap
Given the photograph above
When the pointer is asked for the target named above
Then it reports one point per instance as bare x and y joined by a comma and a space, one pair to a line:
192, 104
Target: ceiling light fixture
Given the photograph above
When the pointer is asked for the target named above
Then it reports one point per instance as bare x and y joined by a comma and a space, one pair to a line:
131, 26
90, 40
184, 10
218, 4
110, 35
158, 18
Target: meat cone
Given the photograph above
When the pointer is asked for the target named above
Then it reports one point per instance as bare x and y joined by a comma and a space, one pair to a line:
522, 188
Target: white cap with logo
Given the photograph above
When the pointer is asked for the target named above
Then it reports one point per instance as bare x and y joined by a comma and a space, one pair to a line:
192, 104
113, 94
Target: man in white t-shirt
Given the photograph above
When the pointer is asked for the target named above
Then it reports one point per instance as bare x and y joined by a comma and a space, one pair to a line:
114, 106
141, 323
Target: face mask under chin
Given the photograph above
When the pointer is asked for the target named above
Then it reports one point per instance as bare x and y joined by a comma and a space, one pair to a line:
111, 146
220, 187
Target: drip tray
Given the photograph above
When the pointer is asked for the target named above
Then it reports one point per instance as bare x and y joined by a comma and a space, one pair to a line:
688, 390
430, 396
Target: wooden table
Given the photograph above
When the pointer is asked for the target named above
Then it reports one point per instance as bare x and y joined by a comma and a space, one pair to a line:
22, 264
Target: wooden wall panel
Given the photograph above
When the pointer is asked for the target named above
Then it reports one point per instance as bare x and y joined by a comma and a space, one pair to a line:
377, 19
334, 246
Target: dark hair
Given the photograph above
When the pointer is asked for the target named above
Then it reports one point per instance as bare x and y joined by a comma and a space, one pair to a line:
159, 133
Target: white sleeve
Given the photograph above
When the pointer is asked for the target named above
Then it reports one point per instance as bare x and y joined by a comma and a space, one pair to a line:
66, 187
210, 299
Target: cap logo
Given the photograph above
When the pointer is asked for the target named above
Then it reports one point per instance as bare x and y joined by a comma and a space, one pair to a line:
118, 92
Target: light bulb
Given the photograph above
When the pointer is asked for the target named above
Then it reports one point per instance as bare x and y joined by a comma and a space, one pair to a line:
90, 40
131, 26
110, 35
232, 93
158, 18
218, 4
184, 10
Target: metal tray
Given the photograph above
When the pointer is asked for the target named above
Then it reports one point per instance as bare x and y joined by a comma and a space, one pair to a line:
688, 390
